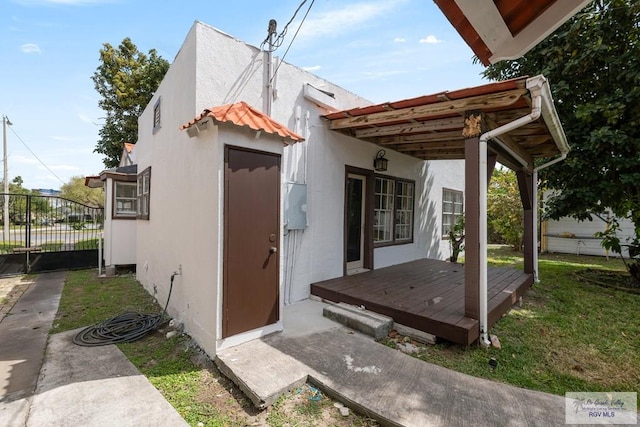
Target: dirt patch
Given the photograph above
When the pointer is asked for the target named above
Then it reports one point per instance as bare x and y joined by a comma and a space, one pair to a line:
304, 406
589, 363
619, 280
11, 289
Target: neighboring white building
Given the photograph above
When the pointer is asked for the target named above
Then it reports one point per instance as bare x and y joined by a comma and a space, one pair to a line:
570, 236
128, 156
120, 198
189, 197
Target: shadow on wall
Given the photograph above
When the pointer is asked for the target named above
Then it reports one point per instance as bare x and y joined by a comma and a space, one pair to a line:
428, 224
236, 89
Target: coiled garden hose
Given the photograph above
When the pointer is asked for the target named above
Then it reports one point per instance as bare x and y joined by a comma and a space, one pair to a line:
126, 327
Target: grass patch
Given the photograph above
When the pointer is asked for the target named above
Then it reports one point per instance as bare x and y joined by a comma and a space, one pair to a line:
567, 336
88, 299
51, 246
81, 245
182, 372
7, 247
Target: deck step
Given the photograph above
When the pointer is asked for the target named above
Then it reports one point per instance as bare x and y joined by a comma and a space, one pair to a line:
361, 320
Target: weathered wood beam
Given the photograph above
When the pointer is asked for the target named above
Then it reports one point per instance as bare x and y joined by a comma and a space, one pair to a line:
509, 163
439, 156
511, 144
423, 137
440, 146
409, 128
494, 100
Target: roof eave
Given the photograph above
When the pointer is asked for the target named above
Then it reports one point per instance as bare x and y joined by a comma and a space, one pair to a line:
549, 112
483, 28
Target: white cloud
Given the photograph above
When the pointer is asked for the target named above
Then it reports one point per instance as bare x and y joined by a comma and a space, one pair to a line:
339, 21
312, 68
30, 48
399, 40
430, 39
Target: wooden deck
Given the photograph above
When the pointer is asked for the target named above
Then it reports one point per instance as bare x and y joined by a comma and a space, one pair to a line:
427, 295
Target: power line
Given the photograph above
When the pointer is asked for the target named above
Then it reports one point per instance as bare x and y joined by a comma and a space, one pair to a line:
275, 44
34, 155
294, 36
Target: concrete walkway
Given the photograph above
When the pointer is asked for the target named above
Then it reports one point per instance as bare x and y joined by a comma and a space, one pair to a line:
390, 386
68, 385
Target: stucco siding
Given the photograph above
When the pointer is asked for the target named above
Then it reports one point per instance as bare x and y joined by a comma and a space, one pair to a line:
120, 234
185, 228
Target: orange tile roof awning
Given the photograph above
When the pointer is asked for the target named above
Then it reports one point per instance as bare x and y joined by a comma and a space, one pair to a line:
244, 115
506, 29
431, 127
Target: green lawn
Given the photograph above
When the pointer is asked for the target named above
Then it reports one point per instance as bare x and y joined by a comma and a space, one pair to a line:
178, 369
567, 336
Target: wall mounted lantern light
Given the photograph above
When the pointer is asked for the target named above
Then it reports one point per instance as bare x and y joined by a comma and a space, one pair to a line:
380, 163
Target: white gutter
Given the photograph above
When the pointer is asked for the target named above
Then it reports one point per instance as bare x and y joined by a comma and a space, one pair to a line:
540, 100
550, 117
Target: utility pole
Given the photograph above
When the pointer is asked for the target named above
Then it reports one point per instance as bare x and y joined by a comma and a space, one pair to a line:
5, 235
268, 67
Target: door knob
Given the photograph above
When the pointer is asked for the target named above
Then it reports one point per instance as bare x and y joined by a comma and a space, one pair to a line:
273, 249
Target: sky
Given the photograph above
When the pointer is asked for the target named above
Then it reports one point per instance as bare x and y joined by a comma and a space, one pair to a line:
382, 50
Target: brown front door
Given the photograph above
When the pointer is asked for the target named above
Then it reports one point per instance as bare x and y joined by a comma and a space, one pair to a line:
251, 240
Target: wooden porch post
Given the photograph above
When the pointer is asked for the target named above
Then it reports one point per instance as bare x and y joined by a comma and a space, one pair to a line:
525, 184
474, 121
492, 159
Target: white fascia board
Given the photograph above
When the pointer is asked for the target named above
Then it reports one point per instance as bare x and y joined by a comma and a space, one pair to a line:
549, 21
483, 15
485, 18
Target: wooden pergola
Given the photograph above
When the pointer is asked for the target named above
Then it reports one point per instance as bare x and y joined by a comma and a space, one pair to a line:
512, 122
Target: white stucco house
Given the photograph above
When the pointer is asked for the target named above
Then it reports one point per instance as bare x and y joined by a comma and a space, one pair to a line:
302, 210
120, 196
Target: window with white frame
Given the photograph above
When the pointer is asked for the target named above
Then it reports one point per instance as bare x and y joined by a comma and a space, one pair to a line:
393, 211
383, 210
124, 200
144, 191
404, 210
452, 208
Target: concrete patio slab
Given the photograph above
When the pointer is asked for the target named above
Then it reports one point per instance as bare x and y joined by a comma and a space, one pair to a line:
390, 386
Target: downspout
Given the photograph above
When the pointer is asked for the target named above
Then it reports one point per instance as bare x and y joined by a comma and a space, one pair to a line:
534, 85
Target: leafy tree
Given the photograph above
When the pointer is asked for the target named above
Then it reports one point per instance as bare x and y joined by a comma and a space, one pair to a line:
18, 204
126, 80
78, 192
593, 66
456, 239
504, 207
